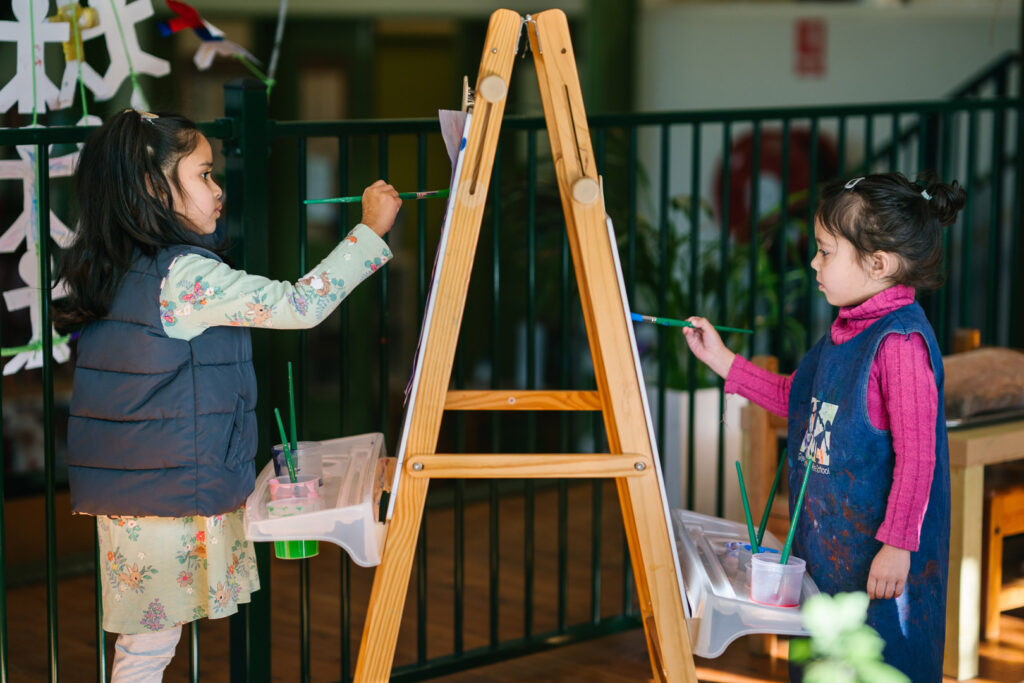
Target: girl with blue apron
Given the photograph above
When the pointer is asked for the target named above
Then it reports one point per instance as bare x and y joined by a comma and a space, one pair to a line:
848, 491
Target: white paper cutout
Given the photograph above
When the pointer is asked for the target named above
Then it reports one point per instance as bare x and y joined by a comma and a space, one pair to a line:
25, 228
121, 54
75, 66
30, 21
208, 49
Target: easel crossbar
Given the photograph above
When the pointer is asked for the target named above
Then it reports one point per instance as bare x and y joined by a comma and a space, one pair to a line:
523, 400
526, 465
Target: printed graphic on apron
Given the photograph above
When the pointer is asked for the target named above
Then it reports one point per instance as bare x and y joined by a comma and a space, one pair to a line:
816, 445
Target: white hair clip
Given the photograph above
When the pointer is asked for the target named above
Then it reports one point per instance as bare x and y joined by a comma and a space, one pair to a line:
924, 193
850, 184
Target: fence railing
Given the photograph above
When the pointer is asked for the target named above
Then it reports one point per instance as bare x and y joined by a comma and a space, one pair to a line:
712, 210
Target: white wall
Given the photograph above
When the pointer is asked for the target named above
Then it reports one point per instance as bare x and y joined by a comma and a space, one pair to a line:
699, 56
726, 55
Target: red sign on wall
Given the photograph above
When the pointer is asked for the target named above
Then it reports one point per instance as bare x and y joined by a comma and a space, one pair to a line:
810, 46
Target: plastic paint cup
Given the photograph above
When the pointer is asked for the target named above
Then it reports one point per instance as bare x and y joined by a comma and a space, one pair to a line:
307, 458
288, 499
775, 584
283, 488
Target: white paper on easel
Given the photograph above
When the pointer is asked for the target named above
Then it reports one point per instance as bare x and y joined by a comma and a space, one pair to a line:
647, 411
412, 389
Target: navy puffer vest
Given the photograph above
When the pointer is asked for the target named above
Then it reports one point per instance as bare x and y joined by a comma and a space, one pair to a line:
160, 426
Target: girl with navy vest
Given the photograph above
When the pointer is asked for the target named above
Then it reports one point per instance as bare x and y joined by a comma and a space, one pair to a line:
865, 408
162, 432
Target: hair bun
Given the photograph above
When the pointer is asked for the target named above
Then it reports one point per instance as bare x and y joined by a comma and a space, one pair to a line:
945, 200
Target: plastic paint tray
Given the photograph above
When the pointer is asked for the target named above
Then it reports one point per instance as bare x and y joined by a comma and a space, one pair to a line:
354, 472
716, 574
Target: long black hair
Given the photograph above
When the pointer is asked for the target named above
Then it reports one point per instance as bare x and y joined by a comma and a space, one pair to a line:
888, 212
123, 181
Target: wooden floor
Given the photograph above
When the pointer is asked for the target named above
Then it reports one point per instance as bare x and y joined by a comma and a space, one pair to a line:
611, 659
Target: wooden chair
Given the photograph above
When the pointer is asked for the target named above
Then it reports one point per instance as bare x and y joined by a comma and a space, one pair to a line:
1004, 516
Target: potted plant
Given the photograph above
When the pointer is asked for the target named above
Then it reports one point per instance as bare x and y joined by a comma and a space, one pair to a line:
662, 285
842, 648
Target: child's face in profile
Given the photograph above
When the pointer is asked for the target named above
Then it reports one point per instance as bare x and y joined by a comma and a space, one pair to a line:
843, 276
199, 198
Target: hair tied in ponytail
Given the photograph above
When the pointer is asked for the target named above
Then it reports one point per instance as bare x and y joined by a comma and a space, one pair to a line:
144, 116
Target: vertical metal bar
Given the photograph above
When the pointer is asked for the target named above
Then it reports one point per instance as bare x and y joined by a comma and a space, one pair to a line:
945, 168
723, 310
596, 486
247, 180
304, 673
563, 555
967, 247
869, 142
780, 244
301, 162
101, 635
812, 201
384, 280
193, 652
4, 656
754, 253
995, 294
894, 160
927, 151
531, 420
663, 280
42, 169
345, 566
421, 225
841, 144
422, 572
631, 219
494, 499
691, 360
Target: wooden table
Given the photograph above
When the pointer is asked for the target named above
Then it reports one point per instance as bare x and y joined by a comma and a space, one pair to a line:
970, 450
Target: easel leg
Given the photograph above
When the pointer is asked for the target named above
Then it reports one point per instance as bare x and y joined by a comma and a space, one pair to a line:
661, 607
390, 584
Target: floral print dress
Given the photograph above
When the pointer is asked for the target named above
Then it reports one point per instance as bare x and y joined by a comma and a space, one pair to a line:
158, 572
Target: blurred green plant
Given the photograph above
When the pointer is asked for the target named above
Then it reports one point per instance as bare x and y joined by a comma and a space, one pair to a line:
842, 648
679, 302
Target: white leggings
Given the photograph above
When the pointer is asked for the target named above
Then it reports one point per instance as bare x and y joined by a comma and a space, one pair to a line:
142, 657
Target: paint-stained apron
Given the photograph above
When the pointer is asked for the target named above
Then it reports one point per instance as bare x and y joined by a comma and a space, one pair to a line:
849, 487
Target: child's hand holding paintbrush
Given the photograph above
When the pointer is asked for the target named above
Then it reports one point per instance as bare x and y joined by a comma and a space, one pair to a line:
706, 344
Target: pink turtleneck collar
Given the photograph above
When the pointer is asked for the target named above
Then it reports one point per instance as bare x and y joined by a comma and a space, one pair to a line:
852, 320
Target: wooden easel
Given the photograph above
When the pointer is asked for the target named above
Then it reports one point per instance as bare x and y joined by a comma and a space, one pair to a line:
619, 395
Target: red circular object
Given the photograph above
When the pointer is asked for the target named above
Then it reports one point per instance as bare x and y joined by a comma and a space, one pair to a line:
741, 173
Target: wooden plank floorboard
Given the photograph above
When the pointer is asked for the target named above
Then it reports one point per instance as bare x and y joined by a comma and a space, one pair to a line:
611, 659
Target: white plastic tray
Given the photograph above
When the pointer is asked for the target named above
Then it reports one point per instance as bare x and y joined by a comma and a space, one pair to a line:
353, 471
715, 570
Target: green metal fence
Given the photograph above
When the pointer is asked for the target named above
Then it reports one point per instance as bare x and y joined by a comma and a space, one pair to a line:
700, 232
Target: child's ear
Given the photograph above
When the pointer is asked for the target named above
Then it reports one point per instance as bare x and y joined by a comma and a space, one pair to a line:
883, 265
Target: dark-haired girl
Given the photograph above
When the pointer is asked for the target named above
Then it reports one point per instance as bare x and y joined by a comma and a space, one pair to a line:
162, 433
865, 412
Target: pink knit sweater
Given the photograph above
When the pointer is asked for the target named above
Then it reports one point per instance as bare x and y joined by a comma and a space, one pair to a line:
902, 397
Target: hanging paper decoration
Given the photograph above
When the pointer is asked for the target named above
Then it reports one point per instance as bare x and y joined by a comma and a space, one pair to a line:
25, 228
212, 41
30, 87
76, 71
117, 20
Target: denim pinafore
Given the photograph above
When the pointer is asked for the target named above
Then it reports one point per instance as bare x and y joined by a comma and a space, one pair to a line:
848, 491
